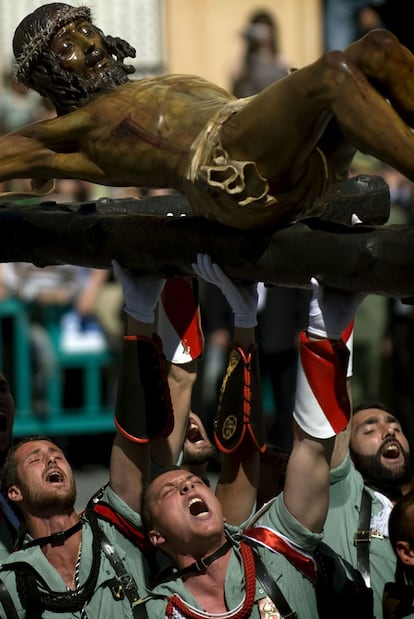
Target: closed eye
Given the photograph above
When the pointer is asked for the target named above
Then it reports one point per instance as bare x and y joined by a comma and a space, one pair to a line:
168, 490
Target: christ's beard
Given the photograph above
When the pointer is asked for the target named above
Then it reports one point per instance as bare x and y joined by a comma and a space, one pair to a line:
106, 80
69, 92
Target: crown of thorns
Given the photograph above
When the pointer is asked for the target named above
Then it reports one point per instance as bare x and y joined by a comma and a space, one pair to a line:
35, 46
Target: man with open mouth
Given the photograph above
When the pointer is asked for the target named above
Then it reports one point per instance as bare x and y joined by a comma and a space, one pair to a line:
370, 471
215, 564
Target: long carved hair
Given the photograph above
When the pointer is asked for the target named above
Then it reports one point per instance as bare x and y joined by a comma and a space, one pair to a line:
38, 67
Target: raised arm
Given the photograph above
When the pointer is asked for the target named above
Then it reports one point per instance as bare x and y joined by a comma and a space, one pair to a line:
179, 327
143, 409
238, 427
322, 406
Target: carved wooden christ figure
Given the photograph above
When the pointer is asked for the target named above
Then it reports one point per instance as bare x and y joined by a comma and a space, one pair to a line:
246, 163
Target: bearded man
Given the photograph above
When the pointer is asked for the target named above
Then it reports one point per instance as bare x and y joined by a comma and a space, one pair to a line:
371, 468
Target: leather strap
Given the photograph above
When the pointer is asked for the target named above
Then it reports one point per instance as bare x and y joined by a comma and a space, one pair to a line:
196, 567
362, 537
125, 579
56, 539
273, 590
7, 602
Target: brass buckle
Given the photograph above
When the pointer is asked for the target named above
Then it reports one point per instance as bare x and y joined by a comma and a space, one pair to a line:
362, 537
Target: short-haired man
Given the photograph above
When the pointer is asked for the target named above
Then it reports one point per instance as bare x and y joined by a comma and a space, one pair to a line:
92, 564
215, 567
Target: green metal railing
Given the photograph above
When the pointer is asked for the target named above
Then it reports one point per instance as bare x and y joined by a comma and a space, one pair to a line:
93, 415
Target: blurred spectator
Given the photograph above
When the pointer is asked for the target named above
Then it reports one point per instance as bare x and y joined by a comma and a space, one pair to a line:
345, 19
18, 105
262, 63
395, 15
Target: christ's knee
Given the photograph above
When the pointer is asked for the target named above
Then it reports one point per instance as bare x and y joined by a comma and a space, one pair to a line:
333, 72
376, 50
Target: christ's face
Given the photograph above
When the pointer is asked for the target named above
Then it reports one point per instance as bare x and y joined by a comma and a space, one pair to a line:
80, 49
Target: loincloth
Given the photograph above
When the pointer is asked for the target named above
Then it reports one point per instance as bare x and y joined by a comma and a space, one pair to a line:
234, 192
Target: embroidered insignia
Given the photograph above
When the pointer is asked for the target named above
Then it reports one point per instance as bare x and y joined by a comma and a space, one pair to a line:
229, 426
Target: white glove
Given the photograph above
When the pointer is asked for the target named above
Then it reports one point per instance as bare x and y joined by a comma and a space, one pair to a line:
243, 298
141, 293
331, 310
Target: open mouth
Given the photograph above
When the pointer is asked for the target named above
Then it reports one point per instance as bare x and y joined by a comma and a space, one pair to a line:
193, 434
54, 477
391, 451
197, 507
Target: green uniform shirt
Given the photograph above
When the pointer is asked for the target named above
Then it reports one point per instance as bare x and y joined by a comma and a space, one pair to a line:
103, 604
297, 589
6, 541
342, 524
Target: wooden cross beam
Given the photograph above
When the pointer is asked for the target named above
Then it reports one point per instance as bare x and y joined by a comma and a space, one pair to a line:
161, 235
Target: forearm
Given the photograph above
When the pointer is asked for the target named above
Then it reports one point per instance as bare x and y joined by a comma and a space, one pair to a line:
238, 481
87, 299
129, 466
322, 410
306, 491
129, 470
240, 467
181, 379
342, 439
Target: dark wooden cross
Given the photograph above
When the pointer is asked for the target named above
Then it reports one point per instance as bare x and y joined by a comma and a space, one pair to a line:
161, 235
